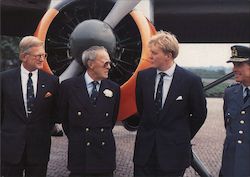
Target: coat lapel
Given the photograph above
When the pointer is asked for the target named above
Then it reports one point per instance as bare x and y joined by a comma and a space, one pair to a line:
238, 93
172, 93
17, 86
81, 91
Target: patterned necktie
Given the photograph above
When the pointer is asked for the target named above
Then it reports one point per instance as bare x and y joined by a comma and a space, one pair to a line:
30, 95
247, 95
158, 97
94, 93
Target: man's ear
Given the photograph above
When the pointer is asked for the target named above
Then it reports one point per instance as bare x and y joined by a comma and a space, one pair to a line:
90, 64
23, 57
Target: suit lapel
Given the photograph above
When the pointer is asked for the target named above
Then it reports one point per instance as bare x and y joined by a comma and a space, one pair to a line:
81, 91
41, 89
172, 93
150, 83
238, 93
17, 87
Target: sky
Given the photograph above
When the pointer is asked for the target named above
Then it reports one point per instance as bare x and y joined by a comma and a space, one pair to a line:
208, 54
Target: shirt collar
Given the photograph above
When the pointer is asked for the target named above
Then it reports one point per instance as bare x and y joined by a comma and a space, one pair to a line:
169, 71
88, 79
26, 72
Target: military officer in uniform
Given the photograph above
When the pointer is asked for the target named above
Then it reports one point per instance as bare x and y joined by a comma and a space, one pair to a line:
236, 152
89, 106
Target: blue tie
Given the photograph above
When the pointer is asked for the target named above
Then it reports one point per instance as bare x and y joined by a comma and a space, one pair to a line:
158, 97
247, 95
94, 93
30, 95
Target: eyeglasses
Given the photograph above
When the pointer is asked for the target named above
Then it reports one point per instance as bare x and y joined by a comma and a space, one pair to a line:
38, 57
107, 64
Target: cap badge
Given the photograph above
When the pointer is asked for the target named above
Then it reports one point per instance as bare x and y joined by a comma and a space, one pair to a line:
234, 52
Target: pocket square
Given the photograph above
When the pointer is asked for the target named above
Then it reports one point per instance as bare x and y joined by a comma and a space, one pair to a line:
48, 94
179, 98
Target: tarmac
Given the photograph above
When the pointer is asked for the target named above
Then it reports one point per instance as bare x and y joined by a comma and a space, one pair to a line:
207, 144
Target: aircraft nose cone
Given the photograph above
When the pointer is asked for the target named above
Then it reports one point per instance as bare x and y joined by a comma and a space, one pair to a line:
89, 33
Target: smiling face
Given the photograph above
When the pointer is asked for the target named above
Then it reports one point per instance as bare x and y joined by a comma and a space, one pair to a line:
34, 58
99, 68
242, 72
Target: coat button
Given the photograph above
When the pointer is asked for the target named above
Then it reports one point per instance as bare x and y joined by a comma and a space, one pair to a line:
240, 132
106, 114
79, 113
87, 129
239, 141
102, 129
103, 143
243, 112
88, 143
242, 121
228, 114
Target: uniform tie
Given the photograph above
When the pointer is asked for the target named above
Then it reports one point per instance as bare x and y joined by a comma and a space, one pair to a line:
158, 97
94, 93
30, 95
247, 94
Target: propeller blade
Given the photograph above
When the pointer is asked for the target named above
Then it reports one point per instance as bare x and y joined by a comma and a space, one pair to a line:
73, 70
120, 10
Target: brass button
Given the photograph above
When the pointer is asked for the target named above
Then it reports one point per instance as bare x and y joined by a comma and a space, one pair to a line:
102, 129
103, 143
106, 114
87, 129
79, 113
243, 112
242, 121
239, 141
88, 143
240, 132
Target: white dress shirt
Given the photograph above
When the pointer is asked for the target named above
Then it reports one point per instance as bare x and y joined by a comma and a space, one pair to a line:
89, 84
167, 80
24, 80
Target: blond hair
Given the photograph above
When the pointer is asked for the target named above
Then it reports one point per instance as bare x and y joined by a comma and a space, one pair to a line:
166, 41
28, 42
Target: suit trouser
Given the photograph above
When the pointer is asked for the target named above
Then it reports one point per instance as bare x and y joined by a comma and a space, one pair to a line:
16, 170
152, 168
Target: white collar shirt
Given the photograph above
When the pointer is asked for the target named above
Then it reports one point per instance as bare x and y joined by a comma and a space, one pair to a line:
167, 80
89, 84
24, 81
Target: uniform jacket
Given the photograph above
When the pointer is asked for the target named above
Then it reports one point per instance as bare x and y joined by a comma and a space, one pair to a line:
183, 114
18, 131
236, 152
91, 147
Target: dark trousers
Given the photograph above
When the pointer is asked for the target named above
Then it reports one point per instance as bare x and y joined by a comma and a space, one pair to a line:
23, 168
153, 169
91, 175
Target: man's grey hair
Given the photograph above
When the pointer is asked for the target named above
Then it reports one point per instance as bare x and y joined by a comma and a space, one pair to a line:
90, 54
28, 42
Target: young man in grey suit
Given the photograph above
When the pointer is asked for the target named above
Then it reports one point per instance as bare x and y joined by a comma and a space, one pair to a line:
236, 152
172, 108
89, 106
28, 102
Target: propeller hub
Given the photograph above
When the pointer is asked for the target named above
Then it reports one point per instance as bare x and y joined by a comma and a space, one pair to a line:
89, 33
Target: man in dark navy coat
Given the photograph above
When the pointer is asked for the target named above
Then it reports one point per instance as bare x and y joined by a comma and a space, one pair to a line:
172, 108
89, 106
236, 152
28, 98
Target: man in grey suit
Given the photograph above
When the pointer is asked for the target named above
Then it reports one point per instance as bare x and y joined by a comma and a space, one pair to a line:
89, 106
28, 102
236, 152
172, 108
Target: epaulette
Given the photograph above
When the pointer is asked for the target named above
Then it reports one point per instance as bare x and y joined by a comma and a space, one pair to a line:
233, 84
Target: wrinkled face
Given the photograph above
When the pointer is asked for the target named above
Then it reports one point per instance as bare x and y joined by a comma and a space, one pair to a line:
160, 60
34, 58
242, 72
99, 68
